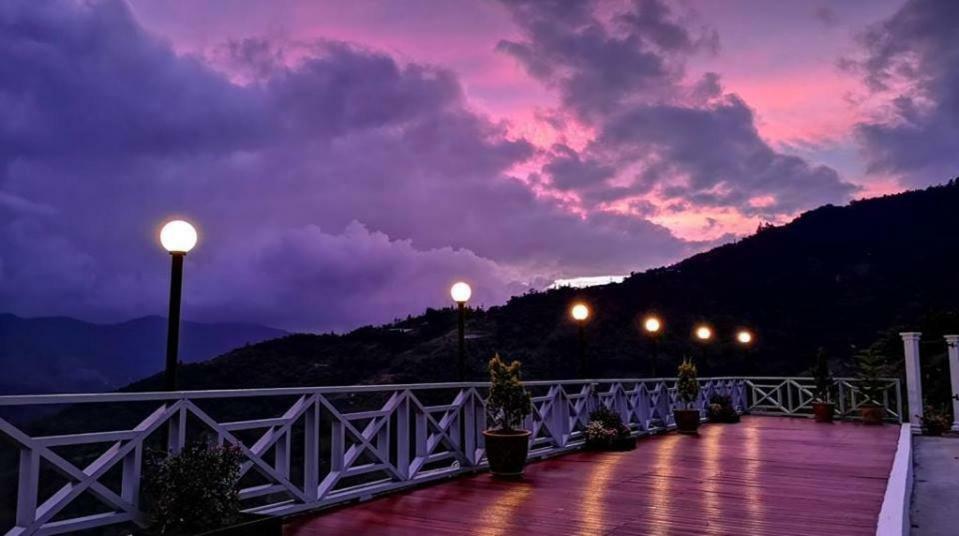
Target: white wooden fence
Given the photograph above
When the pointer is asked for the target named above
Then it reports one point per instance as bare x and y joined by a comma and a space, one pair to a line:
305, 448
794, 397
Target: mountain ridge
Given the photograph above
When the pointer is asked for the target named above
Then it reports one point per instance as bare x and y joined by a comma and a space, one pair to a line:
837, 277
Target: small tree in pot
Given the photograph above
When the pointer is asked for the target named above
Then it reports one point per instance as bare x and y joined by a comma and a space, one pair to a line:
823, 407
872, 368
507, 444
687, 389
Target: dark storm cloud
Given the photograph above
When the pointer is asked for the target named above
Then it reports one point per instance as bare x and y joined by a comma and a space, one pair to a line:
627, 78
336, 189
912, 55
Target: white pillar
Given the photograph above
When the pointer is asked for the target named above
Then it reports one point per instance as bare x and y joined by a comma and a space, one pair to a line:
953, 343
910, 342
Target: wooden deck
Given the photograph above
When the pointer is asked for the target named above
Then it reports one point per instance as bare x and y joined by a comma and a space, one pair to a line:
764, 476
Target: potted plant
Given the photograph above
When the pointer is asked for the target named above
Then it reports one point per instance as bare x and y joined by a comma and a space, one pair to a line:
507, 444
687, 389
721, 410
872, 368
196, 492
606, 431
935, 422
822, 407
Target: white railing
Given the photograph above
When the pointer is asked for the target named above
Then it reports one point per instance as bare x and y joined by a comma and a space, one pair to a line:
794, 397
302, 448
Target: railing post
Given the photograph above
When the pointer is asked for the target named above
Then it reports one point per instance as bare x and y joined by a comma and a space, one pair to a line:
403, 437
469, 426
311, 451
177, 431
952, 341
910, 341
132, 467
27, 487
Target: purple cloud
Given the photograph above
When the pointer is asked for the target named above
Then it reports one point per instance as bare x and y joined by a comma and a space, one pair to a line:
331, 184
911, 56
657, 134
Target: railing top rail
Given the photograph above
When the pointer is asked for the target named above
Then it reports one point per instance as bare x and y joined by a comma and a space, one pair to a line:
837, 378
89, 398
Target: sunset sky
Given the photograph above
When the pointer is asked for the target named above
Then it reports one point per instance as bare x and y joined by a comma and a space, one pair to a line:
345, 162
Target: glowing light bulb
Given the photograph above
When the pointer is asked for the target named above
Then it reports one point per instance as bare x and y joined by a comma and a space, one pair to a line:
652, 324
178, 236
744, 336
579, 312
703, 333
461, 292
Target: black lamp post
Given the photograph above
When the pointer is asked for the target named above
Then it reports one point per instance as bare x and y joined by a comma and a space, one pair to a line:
745, 339
580, 312
652, 325
178, 237
703, 335
461, 292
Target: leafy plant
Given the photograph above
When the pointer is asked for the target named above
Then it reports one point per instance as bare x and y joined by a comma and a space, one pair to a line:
721, 409
687, 386
193, 491
605, 429
935, 421
825, 384
508, 402
872, 369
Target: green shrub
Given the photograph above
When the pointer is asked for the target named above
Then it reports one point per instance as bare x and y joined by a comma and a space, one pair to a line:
605, 429
935, 421
823, 378
508, 402
721, 409
687, 385
872, 368
193, 491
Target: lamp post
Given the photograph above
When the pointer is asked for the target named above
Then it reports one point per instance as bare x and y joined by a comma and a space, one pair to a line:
580, 312
703, 334
178, 237
653, 325
745, 339
461, 292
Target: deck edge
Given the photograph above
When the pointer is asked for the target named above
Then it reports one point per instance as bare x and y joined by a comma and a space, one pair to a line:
894, 515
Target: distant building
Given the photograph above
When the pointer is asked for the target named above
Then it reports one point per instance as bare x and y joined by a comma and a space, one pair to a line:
583, 282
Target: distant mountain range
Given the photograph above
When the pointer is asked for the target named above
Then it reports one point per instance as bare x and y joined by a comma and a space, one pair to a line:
58, 354
836, 277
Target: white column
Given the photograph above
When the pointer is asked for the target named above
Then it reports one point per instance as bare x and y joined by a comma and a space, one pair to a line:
953, 343
910, 342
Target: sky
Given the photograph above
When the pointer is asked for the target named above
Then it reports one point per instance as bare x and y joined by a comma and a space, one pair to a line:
345, 162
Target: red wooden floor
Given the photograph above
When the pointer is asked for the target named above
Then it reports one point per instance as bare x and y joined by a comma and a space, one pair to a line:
764, 476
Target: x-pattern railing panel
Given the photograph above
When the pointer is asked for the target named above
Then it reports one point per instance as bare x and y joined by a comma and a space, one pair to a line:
318, 446
794, 396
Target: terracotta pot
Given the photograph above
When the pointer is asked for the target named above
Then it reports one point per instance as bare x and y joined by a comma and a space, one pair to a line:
506, 452
687, 420
823, 411
872, 413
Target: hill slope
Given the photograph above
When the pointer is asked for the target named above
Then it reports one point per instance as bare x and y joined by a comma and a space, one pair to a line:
60, 354
837, 277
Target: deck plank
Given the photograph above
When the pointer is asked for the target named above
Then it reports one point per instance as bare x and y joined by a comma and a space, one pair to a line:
764, 476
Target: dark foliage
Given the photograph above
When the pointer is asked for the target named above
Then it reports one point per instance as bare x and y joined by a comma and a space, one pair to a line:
193, 491
823, 377
606, 431
872, 369
935, 421
721, 409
